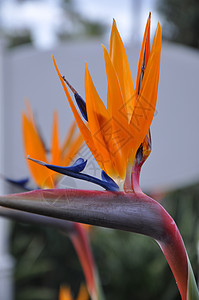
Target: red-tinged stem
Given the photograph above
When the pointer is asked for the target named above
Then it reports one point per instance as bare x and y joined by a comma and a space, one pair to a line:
175, 253
135, 179
82, 246
171, 242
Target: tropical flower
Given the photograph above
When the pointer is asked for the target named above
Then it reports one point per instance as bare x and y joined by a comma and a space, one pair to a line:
115, 133
65, 293
34, 146
119, 138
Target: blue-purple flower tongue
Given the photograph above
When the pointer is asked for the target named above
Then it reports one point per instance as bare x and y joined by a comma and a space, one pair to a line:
108, 179
144, 150
80, 102
78, 166
75, 171
82, 105
21, 183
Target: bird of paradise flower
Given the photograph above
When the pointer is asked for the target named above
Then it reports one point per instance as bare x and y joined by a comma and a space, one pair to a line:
129, 114
35, 147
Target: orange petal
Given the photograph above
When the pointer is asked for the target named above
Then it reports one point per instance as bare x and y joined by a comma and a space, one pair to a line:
55, 151
69, 138
65, 293
83, 293
146, 102
31, 118
119, 118
33, 146
120, 62
72, 151
82, 127
98, 118
116, 97
29, 111
145, 50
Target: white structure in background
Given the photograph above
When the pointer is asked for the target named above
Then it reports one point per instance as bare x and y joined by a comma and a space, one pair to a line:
6, 261
30, 74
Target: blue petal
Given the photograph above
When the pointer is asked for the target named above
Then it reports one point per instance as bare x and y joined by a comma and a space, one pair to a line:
71, 171
108, 179
78, 165
82, 105
80, 102
19, 183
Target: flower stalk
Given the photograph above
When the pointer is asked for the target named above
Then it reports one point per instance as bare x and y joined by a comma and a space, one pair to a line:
133, 212
82, 246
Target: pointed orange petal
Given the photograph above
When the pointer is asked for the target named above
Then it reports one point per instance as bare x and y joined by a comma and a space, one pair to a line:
147, 45
34, 147
82, 127
116, 98
72, 151
120, 62
145, 50
31, 118
55, 151
29, 111
119, 118
98, 118
69, 137
83, 293
146, 102
65, 293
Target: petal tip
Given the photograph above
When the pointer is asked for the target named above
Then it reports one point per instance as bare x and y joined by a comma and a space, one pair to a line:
114, 23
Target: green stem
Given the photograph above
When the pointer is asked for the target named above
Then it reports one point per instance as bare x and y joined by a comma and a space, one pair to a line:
193, 293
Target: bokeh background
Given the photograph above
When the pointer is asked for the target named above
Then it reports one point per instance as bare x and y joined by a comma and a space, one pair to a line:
130, 266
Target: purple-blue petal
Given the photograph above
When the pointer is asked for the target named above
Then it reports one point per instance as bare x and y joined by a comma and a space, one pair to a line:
82, 105
107, 178
78, 165
19, 183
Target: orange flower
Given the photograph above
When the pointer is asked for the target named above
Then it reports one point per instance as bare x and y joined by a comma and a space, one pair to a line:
34, 147
65, 293
115, 133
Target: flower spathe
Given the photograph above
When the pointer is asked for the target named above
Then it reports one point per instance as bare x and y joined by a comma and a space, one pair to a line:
35, 147
114, 133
